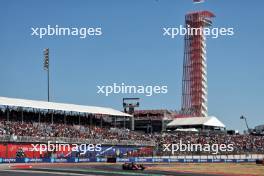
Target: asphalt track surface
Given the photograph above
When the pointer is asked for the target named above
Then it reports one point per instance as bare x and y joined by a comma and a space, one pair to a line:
85, 169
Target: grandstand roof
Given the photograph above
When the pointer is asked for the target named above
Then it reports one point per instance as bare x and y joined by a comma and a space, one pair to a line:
60, 106
188, 121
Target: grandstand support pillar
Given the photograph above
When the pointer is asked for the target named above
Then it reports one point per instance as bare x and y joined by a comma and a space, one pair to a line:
90, 118
39, 117
124, 122
7, 113
163, 127
64, 118
22, 116
115, 122
101, 121
79, 119
132, 122
52, 117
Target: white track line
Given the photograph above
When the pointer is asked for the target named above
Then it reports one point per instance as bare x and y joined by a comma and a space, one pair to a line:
45, 172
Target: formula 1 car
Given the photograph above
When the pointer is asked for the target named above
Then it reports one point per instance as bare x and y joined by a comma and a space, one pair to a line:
258, 161
133, 166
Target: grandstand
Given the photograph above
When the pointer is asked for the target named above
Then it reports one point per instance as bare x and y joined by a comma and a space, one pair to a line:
259, 129
198, 123
41, 111
62, 107
23, 122
27, 122
152, 120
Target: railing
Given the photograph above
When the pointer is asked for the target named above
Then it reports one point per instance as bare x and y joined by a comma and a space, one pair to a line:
229, 156
30, 139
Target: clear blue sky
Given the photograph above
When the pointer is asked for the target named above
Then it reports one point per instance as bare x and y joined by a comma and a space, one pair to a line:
132, 50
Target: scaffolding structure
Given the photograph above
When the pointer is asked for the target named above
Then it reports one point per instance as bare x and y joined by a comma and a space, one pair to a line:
194, 82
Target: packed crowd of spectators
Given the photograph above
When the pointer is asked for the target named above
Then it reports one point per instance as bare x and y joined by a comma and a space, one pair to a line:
39, 125
241, 143
34, 129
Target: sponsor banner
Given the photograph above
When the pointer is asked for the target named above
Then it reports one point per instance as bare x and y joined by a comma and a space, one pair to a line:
142, 160
122, 160
174, 160
188, 160
166, 160
133, 160
101, 159
47, 160
202, 161
72, 160
33, 160
82, 160
158, 160
216, 160
8, 160
240, 160
230, 160
61, 160
20, 160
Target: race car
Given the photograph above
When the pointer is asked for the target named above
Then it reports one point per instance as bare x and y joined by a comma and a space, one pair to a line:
133, 166
259, 161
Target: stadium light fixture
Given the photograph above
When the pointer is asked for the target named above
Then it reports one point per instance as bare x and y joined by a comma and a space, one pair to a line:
244, 118
46, 67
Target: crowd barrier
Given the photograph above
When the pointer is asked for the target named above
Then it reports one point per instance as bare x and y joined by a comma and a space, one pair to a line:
30, 139
141, 160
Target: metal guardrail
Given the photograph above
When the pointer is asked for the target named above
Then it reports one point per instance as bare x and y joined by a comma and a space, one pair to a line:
215, 157
30, 139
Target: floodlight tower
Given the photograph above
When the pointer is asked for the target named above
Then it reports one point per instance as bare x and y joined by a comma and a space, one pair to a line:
129, 105
194, 82
46, 67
